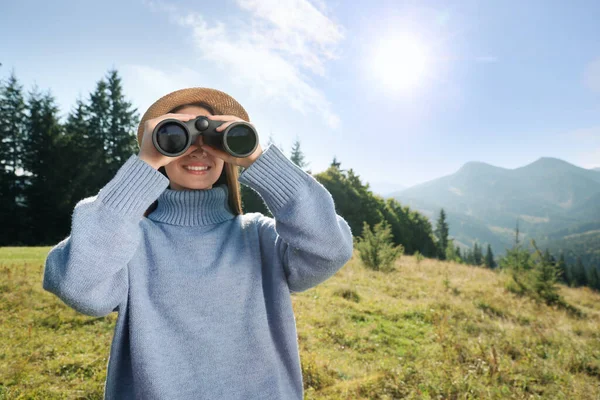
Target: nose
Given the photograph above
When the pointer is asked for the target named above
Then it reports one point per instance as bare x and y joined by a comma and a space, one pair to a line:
199, 141
198, 151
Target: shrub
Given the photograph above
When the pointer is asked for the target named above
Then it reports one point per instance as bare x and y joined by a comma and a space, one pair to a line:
376, 249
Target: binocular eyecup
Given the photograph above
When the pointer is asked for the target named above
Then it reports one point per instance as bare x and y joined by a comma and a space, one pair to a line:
173, 137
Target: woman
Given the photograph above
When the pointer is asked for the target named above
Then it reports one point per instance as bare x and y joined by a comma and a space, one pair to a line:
201, 289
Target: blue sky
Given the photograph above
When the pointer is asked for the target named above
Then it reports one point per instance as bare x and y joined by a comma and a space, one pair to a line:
503, 82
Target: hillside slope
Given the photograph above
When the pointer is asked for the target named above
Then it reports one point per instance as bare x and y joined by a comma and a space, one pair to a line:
426, 330
483, 202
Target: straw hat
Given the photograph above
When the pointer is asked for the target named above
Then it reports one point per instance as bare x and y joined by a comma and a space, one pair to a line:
222, 103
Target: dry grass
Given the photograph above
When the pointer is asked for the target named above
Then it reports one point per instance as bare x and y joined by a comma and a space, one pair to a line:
431, 330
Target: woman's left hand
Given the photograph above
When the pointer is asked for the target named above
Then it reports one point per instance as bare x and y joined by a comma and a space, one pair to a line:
241, 161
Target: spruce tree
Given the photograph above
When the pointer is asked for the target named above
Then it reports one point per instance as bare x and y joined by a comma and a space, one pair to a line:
468, 257
545, 277
78, 147
489, 257
297, 156
111, 127
441, 233
12, 181
561, 268
122, 124
593, 278
579, 273
375, 247
42, 159
477, 254
335, 163
458, 254
451, 251
99, 137
253, 202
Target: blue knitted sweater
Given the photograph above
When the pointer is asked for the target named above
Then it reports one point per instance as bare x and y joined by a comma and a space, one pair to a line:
203, 295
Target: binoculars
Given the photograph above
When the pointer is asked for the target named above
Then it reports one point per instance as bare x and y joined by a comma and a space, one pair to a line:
173, 137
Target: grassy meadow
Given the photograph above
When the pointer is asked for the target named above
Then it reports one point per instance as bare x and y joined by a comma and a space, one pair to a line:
427, 330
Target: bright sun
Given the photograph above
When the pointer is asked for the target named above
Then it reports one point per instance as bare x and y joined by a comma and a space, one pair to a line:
400, 63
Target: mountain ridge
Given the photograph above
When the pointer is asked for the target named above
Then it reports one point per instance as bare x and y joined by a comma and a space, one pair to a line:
483, 202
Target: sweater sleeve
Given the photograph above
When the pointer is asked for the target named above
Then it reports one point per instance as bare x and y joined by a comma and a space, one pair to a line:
306, 235
88, 269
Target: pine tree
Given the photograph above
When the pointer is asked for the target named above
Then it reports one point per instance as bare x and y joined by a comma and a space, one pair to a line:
335, 163
517, 262
441, 233
569, 272
451, 251
489, 257
297, 156
122, 124
468, 257
253, 202
99, 138
545, 277
42, 159
593, 278
78, 147
579, 273
375, 247
458, 254
477, 254
561, 268
111, 128
12, 179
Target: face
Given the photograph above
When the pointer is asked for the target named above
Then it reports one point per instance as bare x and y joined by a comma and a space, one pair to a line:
183, 179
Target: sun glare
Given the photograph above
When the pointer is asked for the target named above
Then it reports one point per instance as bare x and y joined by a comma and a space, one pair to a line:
400, 63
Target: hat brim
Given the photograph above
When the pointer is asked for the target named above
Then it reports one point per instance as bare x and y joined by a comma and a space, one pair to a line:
221, 102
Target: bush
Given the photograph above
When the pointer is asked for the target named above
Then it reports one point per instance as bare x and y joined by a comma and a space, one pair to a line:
376, 249
419, 257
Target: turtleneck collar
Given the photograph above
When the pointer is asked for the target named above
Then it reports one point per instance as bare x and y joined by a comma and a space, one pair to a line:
193, 207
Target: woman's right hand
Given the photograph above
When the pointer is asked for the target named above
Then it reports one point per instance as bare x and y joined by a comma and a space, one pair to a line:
148, 152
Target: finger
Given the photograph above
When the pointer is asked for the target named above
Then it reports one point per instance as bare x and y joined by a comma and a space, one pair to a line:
224, 126
223, 117
186, 117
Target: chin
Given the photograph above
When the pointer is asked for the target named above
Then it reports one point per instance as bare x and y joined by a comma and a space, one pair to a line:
197, 184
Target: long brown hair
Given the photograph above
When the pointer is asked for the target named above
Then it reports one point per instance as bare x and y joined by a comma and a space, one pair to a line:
229, 174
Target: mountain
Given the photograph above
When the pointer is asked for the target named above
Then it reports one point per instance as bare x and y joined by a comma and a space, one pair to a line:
596, 169
483, 202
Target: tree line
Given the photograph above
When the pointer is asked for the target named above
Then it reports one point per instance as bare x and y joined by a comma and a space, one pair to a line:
517, 257
48, 165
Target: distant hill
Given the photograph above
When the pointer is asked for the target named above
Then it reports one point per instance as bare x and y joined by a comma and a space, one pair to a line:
385, 188
483, 202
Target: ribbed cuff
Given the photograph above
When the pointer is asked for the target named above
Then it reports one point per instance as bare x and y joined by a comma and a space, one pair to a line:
275, 177
134, 188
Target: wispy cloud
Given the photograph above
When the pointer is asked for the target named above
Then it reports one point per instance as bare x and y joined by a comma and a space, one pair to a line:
591, 75
272, 51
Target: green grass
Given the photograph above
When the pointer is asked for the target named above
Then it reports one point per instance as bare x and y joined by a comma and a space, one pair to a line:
431, 330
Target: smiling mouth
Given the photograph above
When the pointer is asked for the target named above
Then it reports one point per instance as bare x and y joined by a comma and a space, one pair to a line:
197, 172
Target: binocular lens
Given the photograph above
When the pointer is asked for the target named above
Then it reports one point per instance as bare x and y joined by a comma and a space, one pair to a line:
171, 137
241, 139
